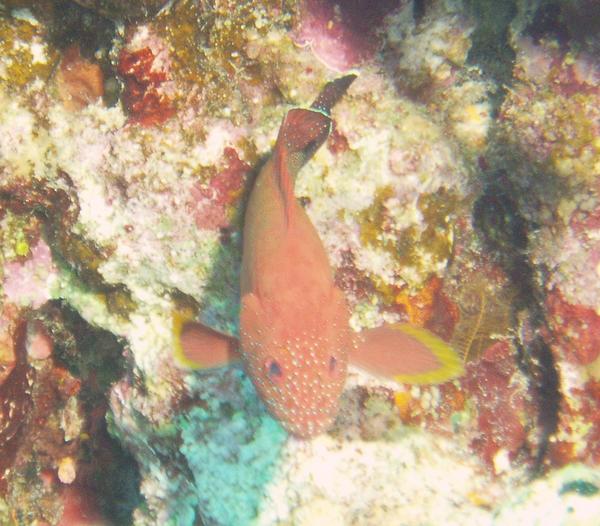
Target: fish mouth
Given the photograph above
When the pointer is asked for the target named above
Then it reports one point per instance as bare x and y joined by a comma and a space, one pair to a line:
306, 424
307, 430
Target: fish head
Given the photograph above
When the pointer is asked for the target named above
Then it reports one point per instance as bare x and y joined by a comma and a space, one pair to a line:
298, 365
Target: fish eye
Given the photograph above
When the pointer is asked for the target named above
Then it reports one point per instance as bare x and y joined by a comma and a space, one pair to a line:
332, 364
273, 369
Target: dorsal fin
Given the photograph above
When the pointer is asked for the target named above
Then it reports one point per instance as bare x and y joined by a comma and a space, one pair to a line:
301, 134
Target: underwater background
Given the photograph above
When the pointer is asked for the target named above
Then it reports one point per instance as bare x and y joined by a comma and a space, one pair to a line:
458, 191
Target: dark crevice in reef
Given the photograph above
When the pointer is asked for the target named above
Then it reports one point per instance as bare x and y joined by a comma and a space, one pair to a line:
490, 48
89, 354
504, 215
95, 357
567, 23
419, 10
15, 406
69, 23
549, 23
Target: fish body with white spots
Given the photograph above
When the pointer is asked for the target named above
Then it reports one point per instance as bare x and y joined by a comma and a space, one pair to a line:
295, 340
294, 331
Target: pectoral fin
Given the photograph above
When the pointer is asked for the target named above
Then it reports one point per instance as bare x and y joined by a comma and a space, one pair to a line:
407, 354
199, 347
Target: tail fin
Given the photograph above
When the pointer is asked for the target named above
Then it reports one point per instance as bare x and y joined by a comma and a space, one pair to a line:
300, 136
303, 131
199, 347
332, 93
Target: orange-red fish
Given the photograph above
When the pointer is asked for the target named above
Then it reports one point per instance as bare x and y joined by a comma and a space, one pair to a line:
295, 340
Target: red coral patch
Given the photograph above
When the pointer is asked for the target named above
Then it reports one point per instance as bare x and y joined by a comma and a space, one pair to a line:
576, 329
350, 279
146, 103
337, 142
502, 405
590, 409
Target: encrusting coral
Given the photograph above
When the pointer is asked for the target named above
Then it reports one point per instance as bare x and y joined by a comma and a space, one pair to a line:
451, 194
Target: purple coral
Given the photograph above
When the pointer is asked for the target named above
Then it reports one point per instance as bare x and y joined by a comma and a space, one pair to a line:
342, 34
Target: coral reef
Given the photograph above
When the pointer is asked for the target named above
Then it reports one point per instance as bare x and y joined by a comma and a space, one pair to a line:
119, 9
457, 192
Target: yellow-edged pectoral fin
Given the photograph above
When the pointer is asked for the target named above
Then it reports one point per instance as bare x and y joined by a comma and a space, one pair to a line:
196, 346
406, 354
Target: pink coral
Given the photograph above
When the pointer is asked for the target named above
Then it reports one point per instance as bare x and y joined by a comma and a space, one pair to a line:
80, 507
28, 282
553, 110
39, 343
342, 34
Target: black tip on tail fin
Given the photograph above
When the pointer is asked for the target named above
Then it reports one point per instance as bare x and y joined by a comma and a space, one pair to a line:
304, 130
332, 93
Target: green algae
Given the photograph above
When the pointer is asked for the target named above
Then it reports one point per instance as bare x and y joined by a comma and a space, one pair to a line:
373, 218
581, 487
438, 210
17, 233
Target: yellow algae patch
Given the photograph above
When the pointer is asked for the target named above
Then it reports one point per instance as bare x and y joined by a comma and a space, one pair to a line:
562, 125
214, 49
403, 402
422, 247
24, 54
471, 124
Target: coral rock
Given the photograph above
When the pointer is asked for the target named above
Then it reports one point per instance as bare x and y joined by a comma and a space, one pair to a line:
79, 81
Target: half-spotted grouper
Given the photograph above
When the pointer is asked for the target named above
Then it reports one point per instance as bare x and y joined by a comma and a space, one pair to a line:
295, 341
